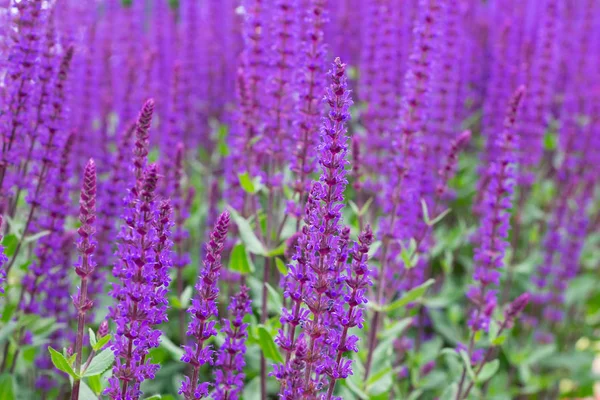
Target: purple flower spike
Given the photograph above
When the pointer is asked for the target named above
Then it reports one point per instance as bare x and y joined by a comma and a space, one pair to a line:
309, 79
142, 270
350, 314
515, 308
449, 168
495, 224
204, 306
3, 260
86, 246
229, 377
142, 139
314, 283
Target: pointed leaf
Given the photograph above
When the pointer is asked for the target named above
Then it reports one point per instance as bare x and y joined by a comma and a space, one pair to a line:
100, 363
267, 345
488, 371
409, 297
7, 387
61, 363
281, 266
240, 260
246, 183
92, 337
253, 244
102, 342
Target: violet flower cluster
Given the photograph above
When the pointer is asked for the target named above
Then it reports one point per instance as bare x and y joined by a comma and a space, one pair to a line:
316, 282
495, 224
229, 376
142, 267
203, 312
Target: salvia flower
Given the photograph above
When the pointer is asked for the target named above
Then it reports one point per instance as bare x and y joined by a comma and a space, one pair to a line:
142, 270
309, 78
493, 232
350, 315
3, 260
203, 312
84, 268
229, 376
142, 139
316, 278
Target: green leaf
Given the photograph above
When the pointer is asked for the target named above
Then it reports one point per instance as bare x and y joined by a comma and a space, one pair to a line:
356, 389
85, 393
373, 379
281, 266
154, 397
540, 353
354, 207
7, 387
95, 384
44, 326
186, 296
374, 247
92, 337
396, 329
10, 243
246, 183
550, 141
409, 297
450, 392
252, 389
277, 251
61, 363
275, 297
7, 330
488, 371
100, 363
102, 342
425, 210
499, 341
440, 216
28, 320
168, 345
366, 206
240, 260
267, 345
35, 237
253, 244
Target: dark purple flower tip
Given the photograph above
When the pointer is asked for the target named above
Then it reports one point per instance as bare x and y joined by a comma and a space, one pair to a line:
145, 119
513, 107
87, 201
517, 306
103, 329
150, 180
65, 63
463, 138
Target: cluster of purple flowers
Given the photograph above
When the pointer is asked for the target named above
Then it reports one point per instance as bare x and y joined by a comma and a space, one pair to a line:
495, 224
326, 294
204, 306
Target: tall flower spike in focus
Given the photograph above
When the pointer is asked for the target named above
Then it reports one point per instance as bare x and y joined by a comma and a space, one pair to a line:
314, 283
204, 312
84, 268
350, 314
495, 224
229, 376
143, 261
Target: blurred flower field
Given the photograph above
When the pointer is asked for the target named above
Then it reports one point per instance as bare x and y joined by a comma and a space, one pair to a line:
299, 199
